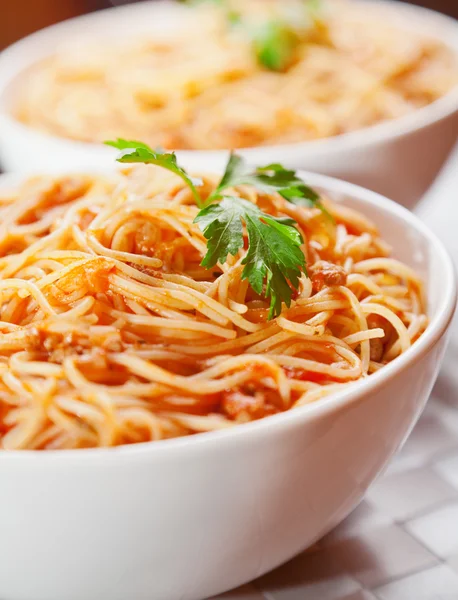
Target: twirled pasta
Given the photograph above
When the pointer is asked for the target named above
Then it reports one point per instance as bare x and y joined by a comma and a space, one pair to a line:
112, 332
202, 87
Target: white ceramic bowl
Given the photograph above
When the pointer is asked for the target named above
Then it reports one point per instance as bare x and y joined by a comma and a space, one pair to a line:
400, 158
188, 518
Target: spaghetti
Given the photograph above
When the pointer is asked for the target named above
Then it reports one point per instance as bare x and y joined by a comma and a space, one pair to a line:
113, 333
202, 87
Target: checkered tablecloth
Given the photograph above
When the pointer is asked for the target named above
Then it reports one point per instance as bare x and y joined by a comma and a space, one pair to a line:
401, 543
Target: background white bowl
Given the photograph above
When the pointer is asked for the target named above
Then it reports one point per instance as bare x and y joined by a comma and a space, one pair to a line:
188, 518
400, 158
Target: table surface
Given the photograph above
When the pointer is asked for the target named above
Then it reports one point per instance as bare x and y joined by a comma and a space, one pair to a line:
401, 543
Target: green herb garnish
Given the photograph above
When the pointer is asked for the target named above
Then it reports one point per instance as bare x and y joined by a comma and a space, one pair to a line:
273, 178
274, 256
274, 260
274, 41
275, 44
138, 152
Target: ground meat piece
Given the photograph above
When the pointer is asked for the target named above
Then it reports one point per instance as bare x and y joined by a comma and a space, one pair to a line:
376, 349
243, 407
324, 273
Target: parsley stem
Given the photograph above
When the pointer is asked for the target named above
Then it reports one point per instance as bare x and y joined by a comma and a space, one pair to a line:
200, 203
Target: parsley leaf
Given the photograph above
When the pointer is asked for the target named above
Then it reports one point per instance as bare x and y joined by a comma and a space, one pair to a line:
222, 226
235, 174
138, 152
274, 261
121, 144
274, 256
273, 178
276, 41
275, 44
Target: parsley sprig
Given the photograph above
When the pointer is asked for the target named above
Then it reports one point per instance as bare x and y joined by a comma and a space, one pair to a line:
273, 178
274, 261
274, 256
275, 40
138, 152
275, 44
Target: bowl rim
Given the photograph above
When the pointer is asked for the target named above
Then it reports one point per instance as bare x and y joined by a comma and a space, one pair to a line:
436, 111
437, 327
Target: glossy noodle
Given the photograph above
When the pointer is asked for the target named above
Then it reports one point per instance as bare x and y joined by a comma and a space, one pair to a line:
202, 87
113, 333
